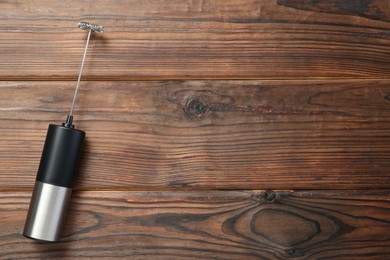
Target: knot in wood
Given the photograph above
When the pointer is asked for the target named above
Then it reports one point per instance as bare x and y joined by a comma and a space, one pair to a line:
268, 196
196, 107
294, 253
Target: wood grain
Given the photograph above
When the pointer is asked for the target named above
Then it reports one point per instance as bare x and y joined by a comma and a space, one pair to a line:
372, 9
196, 39
209, 225
206, 134
182, 98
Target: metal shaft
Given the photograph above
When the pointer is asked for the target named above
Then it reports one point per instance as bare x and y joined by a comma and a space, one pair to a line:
80, 73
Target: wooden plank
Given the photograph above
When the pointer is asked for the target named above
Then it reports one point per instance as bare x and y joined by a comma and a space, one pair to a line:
372, 9
209, 225
196, 39
206, 134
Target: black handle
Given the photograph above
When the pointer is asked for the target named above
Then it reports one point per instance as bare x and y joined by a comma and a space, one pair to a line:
60, 156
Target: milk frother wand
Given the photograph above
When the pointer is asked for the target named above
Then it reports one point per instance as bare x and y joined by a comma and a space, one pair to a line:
57, 170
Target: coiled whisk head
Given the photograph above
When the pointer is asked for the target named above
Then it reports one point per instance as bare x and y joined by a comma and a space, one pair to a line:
89, 26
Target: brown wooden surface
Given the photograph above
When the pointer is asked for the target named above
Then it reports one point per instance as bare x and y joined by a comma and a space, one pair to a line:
207, 134
371, 9
196, 39
210, 224
250, 95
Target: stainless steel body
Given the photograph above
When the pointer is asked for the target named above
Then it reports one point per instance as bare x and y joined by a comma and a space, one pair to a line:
47, 212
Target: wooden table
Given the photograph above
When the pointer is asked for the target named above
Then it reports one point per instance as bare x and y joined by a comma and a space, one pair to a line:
225, 129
